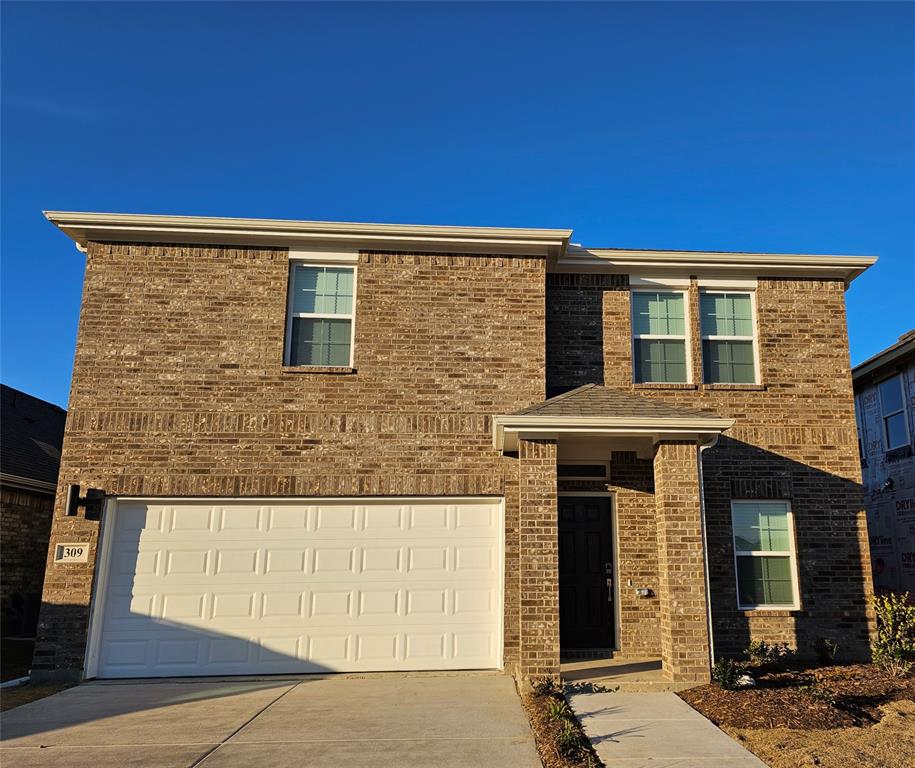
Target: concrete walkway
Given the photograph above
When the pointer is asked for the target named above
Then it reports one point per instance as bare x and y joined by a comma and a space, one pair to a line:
454, 721
654, 730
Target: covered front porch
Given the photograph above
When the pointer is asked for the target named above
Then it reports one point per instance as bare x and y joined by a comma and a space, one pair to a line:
611, 531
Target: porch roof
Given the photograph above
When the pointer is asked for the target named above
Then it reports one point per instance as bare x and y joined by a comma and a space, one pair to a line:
594, 410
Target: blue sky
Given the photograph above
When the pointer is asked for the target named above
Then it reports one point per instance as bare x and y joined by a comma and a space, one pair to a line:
769, 127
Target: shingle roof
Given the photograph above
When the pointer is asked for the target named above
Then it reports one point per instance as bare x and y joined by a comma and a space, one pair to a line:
31, 435
597, 400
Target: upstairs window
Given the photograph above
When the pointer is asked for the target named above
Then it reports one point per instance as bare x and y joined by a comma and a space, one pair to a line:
319, 326
892, 404
764, 554
659, 337
728, 349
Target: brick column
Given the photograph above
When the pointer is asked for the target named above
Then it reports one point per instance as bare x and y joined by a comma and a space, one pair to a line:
681, 566
538, 560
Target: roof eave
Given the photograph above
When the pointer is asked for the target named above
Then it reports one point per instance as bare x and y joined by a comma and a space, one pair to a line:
508, 429
114, 227
762, 264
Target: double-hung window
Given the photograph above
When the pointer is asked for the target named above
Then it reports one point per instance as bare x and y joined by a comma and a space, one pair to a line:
728, 349
764, 554
319, 327
659, 337
892, 405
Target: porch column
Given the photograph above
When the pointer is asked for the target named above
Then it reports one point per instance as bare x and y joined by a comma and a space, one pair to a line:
538, 559
681, 565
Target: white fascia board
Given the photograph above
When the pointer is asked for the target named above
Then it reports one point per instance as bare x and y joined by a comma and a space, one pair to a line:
27, 483
507, 429
117, 227
691, 262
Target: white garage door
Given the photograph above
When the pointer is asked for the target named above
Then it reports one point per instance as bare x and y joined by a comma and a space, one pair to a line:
240, 587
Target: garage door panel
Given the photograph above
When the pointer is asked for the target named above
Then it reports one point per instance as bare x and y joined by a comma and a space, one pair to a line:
216, 588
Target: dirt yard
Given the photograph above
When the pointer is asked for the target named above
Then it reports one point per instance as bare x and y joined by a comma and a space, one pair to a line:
835, 717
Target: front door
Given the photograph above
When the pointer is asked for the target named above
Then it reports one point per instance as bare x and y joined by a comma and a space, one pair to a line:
585, 573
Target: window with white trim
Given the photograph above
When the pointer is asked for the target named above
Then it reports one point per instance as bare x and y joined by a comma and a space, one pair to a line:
728, 345
892, 408
764, 554
319, 325
659, 337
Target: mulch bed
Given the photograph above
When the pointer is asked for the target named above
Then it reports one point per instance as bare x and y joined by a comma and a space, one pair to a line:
814, 699
547, 732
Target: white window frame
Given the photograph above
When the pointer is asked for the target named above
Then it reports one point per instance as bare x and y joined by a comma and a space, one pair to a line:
884, 415
792, 555
715, 337
287, 352
662, 336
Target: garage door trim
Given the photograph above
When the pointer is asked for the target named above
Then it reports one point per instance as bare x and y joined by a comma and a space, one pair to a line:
105, 554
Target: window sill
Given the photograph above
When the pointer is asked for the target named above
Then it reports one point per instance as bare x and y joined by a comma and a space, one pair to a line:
331, 369
662, 385
736, 387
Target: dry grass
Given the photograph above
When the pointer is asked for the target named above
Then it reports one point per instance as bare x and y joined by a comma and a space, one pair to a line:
854, 716
25, 694
888, 743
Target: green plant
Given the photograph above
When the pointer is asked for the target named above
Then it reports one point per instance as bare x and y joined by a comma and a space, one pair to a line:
826, 650
725, 673
569, 739
762, 653
557, 709
818, 692
893, 646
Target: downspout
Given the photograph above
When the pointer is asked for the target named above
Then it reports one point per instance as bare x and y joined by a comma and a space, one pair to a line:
708, 591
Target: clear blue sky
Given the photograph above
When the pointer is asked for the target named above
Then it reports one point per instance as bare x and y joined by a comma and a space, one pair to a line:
770, 127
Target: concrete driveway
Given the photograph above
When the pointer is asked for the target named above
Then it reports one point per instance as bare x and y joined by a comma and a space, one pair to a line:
447, 720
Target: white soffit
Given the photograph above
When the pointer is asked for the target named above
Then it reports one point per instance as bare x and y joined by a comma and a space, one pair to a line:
661, 265
326, 235
508, 429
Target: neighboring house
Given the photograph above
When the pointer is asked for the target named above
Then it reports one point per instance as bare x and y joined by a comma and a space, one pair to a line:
31, 433
885, 407
366, 447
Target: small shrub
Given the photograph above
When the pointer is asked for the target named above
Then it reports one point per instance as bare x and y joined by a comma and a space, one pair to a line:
725, 673
894, 642
818, 692
557, 709
769, 654
826, 650
569, 739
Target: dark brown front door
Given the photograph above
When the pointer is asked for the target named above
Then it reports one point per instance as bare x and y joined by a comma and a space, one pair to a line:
585, 566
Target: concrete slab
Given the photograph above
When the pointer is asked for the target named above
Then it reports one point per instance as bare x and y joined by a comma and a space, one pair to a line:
396, 720
163, 756
138, 714
653, 730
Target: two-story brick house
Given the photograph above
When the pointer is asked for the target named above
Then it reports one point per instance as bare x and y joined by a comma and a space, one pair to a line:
380, 447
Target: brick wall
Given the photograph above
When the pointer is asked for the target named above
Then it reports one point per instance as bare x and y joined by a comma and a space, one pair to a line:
179, 389
794, 438
25, 521
681, 563
538, 567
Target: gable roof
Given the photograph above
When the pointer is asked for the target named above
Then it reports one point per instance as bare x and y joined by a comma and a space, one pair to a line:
597, 400
31, 435
885, 361
597, 410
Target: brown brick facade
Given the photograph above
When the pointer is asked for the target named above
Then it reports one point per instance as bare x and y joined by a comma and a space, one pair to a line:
179, 389
25, 520
794, 438
681, 567
538, 568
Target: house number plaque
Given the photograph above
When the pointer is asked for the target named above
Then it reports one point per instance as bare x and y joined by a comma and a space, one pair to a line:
71, 553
